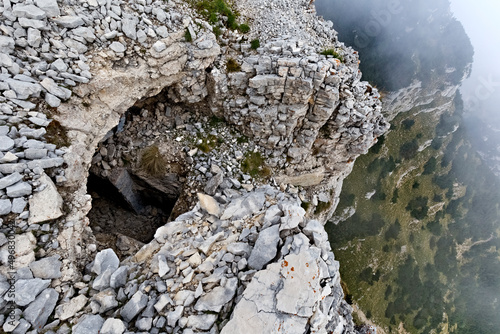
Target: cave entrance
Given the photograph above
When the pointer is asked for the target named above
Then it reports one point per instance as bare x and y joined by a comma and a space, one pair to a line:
129, 203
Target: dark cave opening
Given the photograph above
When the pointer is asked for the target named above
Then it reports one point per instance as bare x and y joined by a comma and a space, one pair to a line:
129, 216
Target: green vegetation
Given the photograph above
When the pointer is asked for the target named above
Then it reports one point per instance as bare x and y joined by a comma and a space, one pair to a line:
254, 165
305, 205
332, 52
322, 207
232, 66
214, 10
244, 28
187, 36
208, 143
152, 162
255, 44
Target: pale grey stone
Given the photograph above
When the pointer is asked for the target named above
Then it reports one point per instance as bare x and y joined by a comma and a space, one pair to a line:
86, 33
6, 144
39, 311
159, 46
69, 21
31, 23
119, 277
48, 267
19, 189
134, 306
218, 297
28, 289
52, 100
106, 300
209, 204
18, 204
162, 31
213, 184
28, 11
144, 324
113, 326
101, 282
35, 153
12, 168
5, 206
88, 324
34, 37
54, 89
50, 7
265, 248
129, 27
39, 210
24, 89
239, 248
105, 259
244, 206
10, 179
59, 65
6, 44
203, 322
117, 47
163, 301
74, 77
293, 215
45, 163
69, 309
174, 316
75, 45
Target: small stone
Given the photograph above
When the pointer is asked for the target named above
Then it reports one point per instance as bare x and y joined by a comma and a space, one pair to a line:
135, 305
39, 311
159, 46
52, 100
203, 322
39, 210
209, 204
265, 248
54, 89
69, 21
163, 267
5, 206
6, 143
88, 324
18, 204
218, 297
113, 326
119, 277
28, 11
19, 189
69, 309
50, 7
117, 47
59, 65
10, 180
48, 267
105, 259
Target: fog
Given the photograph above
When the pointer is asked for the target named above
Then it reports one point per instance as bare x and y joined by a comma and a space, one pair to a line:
481, 91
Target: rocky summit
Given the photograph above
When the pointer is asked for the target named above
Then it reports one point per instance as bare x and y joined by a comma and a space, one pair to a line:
168, 166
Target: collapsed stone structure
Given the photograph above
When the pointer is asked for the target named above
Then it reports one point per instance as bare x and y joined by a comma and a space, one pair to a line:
245, 252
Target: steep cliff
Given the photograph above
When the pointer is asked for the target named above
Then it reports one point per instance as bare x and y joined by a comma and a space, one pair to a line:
165, 100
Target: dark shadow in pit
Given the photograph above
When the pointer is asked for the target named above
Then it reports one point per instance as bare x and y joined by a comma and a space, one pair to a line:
125, 217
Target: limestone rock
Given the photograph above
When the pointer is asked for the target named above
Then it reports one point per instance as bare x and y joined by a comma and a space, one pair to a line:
265, 248
209, 204
105, 259
39, 311
49, 267
39, 210
89, 324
